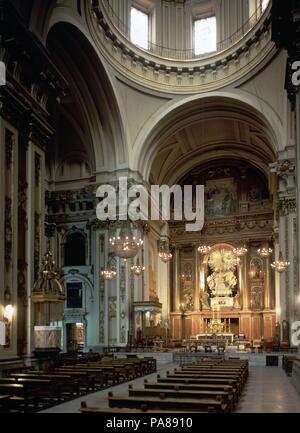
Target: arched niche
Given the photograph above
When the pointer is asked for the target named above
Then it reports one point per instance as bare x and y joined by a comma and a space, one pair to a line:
74, 248
196, 129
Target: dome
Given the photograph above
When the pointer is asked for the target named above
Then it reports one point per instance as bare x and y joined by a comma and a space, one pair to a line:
184, 29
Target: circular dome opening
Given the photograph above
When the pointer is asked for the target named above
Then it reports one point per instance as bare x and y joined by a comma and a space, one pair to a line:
185, 29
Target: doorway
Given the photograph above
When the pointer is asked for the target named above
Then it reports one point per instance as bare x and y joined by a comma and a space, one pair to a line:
75, 337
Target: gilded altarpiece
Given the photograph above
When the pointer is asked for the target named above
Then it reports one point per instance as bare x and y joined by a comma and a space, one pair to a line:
238, 211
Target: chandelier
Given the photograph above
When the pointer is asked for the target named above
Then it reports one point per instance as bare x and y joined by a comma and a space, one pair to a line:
264, 252
109, 272
165, 256
204, 249
125, 245
240, 251
280, 265
137, 269
164, 250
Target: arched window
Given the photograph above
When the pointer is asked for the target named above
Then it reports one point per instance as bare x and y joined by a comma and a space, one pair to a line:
75, 250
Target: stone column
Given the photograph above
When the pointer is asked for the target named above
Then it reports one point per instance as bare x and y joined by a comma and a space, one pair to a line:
176, 279
242, 271
286, 171
197, 281
268, 283
297, 228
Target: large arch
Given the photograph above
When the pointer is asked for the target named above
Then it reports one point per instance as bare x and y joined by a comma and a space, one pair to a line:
93, 95
188, 111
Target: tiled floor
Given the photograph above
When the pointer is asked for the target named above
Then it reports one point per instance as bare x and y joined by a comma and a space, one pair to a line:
268, 390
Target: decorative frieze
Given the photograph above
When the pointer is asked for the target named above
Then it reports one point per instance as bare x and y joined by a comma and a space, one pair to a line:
101, 311
286, 172
234, 227
8, 241
9, 137
23, 186
112, 307
37, 244
37, 169
122, 304
287, 206
122, 283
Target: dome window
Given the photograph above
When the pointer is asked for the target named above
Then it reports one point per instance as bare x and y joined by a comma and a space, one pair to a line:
205, 34
139, 28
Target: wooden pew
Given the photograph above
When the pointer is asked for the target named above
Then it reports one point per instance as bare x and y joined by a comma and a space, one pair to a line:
242, 374
65, 384
86, 379
200, 381
189, 386
144, 409
201, 405
4, 403
179, 394
18, 397
102, 374
39, 388
204, 375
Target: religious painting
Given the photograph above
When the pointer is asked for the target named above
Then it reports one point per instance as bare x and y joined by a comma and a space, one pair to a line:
220, 197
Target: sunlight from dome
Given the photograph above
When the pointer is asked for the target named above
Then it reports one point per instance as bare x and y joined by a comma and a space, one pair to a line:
205, 33
139, 29
264, 5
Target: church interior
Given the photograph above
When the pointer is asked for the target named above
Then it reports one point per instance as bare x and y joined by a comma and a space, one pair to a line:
130, 311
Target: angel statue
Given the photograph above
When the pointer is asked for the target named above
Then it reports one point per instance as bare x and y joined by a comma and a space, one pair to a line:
236, 300
204, 301
189, 301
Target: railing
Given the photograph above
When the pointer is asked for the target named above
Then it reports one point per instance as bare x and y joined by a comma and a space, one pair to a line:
184, 54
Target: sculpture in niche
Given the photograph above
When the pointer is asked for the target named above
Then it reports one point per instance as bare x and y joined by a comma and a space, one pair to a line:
187, 272
204, 301
276, 338
285, 332
257, 298
256, 268
189, 301
236, 302
222, 281
254, 194
220, 197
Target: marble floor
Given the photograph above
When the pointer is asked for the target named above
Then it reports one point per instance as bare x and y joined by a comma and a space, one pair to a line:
268, 390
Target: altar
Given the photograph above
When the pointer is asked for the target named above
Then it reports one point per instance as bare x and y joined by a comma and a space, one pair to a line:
215, 338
